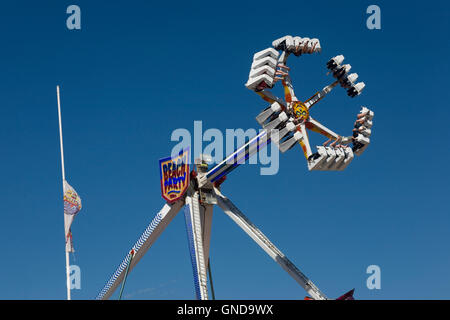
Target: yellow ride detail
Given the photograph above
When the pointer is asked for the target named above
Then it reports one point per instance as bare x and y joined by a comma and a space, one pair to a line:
300, 110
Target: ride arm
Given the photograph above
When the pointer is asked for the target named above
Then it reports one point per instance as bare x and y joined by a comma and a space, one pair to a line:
244, 223
316, 126
270, 97
304, 141
151, 233
319, 95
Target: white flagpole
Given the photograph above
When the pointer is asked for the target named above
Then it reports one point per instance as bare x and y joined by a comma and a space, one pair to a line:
63, 179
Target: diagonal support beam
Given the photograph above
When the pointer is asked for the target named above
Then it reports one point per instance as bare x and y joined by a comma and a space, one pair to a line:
242, 221
198, 232
151, 233
206, 226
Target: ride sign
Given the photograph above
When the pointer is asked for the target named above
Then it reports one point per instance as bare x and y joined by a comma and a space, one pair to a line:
174, 176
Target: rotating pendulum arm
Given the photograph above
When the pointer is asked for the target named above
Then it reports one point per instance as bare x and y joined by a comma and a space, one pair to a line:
238, 157
242, 221
153, 231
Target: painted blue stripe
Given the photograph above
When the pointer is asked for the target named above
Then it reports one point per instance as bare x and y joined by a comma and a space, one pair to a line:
225, 162
235, 165
236, 153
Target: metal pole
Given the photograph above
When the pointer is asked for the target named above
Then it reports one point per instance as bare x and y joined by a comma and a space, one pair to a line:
126, 274
63, 179
211, 280
60, 134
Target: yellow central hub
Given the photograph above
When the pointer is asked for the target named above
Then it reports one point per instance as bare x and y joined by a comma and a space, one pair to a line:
300, 110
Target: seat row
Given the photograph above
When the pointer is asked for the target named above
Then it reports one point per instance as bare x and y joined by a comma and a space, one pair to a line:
346, 80
330, 159
362, 130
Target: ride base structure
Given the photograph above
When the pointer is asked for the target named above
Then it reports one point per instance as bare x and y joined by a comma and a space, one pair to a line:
285, 123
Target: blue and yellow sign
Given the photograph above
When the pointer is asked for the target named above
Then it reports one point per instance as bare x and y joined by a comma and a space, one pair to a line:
174, 175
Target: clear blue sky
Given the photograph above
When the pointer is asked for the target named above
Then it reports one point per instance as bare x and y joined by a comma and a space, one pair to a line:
136, 71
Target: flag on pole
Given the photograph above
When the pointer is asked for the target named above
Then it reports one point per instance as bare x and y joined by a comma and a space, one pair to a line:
72, 205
